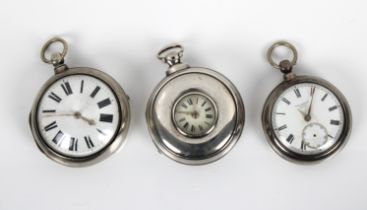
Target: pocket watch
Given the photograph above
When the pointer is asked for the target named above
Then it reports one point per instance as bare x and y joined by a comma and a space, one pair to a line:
81, 115
195, 115
305, 118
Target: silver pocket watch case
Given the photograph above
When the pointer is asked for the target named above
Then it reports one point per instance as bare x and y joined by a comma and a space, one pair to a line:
195, 115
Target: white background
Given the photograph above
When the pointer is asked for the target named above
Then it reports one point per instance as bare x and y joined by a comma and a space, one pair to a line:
122, 38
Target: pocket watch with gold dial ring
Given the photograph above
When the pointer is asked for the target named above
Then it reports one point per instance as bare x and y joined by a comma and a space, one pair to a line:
81, 115
305, 118
195, 115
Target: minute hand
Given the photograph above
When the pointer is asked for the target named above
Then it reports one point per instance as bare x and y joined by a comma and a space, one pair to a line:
308, 115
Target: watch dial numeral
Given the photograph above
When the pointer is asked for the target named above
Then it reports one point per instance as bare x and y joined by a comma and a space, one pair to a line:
303, 146
104, 103
297, 92
334, 122
333, 108
54, 97
73, 146
106, 118
203, 104
95, 91
312, 90
88, 142
280, 113
282, 127
67, 89
185, 125
189, 101
209, 116
192, 128
50, 126
184, 105
286, 101
48, 111
290, 138
101, 132
208, 109
58, 137
324, 97
82, 86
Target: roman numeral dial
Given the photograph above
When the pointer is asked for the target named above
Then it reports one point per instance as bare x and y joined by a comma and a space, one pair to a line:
194, 114
78, 115
307, 118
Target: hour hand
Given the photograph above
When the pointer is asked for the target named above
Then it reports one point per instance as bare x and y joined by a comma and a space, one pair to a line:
184, 112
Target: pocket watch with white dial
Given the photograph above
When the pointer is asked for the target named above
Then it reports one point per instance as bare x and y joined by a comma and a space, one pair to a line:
195, 115
81, 115
305, 118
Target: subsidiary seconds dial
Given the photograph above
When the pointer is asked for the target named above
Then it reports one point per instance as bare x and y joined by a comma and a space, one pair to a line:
78, 115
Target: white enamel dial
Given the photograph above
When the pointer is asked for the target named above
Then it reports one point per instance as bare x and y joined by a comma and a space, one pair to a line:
307, 118
78, 115
195, 114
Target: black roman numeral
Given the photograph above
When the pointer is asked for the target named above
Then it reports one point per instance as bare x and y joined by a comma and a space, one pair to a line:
186, 124
58, 138
192, 128
54, 97
286, 101
73, 146
282, 127
290, 138
189, 101
82, 86
333, 108
208, 109
88, 142
101, 132
95, 91
106, 118
313, 88
104, 103
323, 98
203, 103
297, 92
184, 105
67, 89
49, 111
209, 116
335, 122
280, 113
303, 145
50, 126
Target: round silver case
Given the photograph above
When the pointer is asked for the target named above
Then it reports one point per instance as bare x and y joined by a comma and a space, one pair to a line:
61, 71
182, 80
268, 128
290, 79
